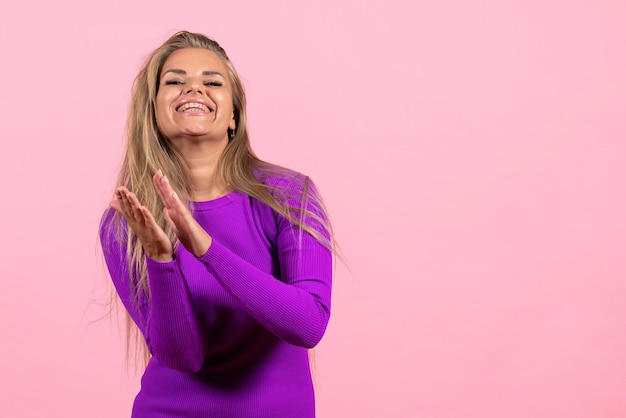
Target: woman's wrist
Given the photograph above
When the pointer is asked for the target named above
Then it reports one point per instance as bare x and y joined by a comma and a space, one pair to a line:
202, 246
161, 257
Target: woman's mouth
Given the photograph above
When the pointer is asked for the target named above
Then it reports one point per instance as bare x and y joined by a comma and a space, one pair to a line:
193, 107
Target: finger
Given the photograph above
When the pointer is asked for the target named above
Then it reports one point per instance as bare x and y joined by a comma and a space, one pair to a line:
175, 200
133, 206
164, 189
124, 204
148, 219
166, 213
120, 192
156, 181
121, 205
167, 193
115, 204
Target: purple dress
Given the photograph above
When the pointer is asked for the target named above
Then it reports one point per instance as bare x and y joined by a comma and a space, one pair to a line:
229, 331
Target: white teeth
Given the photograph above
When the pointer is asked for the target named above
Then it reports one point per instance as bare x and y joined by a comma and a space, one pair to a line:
194, 107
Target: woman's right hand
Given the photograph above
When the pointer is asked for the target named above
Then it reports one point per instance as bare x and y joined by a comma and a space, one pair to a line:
154, 240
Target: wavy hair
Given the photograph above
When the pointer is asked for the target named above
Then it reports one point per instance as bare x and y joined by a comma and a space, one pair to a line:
148, 150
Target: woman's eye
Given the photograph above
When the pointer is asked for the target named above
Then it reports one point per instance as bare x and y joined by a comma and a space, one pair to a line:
213, 83
173, 83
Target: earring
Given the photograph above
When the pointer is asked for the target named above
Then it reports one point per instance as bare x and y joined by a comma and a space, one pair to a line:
231, 134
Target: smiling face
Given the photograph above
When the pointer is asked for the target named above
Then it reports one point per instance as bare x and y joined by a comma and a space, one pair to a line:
194, 99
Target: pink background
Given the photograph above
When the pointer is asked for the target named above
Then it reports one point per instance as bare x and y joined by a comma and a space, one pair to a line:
471, 154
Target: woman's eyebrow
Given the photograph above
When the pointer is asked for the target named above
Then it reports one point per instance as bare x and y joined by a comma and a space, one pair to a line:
212, 73
183, 72
175, 71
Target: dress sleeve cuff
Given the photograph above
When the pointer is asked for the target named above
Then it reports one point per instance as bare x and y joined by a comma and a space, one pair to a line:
167, 271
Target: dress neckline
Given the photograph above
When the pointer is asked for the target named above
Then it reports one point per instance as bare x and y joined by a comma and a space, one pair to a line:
228, 198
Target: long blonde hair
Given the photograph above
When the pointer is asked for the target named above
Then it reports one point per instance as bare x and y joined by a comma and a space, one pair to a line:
148, 150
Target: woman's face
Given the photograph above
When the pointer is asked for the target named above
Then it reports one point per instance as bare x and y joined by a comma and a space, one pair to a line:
195, 96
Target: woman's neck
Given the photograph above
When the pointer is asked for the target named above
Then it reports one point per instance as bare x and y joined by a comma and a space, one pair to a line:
202, 161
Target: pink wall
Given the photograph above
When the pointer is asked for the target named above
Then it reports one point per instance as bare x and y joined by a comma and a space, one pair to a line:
471, 153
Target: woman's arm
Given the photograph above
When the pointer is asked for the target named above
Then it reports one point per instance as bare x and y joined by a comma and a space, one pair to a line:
296, 305
172, 330
296, 309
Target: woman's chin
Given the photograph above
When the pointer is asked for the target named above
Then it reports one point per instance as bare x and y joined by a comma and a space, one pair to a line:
200, 135
196, 131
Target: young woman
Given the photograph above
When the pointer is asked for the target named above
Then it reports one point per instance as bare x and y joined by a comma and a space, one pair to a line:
223, 261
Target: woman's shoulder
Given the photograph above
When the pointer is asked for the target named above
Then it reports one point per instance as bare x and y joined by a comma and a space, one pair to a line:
296, 193
285, 184
110, 228
277, 176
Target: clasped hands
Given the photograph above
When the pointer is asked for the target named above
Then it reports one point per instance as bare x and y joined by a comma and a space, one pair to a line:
155, 242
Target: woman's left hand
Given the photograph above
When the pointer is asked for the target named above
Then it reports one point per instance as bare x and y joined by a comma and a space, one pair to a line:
193, 237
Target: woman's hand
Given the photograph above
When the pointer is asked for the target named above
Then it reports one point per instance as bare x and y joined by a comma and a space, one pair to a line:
195, 239
154, 240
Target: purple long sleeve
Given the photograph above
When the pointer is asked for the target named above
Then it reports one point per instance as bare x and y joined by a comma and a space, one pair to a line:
233, 325
296, 310
175, 332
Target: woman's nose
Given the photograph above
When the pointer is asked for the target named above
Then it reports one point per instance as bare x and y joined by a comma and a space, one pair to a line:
194, 87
